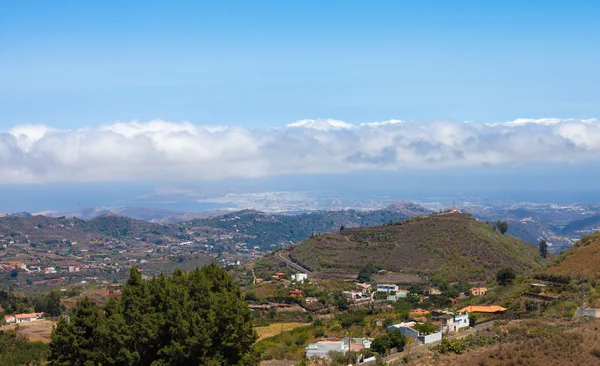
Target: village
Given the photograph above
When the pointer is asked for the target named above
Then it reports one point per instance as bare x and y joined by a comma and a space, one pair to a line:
426, 325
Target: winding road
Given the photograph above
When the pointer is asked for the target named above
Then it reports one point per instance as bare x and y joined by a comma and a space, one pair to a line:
290, 263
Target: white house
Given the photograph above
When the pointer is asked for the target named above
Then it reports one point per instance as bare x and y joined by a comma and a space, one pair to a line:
23, 318
455, 322
451, 322
10, 319
299, 277
407, 330
387, 288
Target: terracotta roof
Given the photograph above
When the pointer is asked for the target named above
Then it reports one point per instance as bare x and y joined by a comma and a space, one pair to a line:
356, 347
418, 311
28, 316
483, 309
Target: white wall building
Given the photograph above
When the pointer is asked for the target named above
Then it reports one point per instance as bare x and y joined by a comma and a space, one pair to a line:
299, 277
387, 288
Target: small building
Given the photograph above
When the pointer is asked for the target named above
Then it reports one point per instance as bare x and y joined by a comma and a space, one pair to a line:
24, 318
433, 291
299, 277
278, 276
352, 295
479, 291
365, 288
311, 300
296, 293
483, 309
321, 349
387, 288
407, 330
592, 312
10, 319
451, 322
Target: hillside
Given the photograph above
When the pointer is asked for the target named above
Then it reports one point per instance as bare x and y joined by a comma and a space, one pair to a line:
582, 260
268, 231
451, 245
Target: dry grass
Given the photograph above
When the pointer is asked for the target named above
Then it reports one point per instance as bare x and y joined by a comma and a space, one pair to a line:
276, 328
37, 331
582, 259
453, 246
538, 342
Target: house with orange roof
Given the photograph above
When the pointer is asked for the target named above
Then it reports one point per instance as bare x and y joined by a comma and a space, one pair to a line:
483, 309
479, 291
23, 318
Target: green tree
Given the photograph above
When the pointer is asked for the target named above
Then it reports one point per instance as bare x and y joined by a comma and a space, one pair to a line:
543, 248
505, 276
502, 226
52, 304
198, 318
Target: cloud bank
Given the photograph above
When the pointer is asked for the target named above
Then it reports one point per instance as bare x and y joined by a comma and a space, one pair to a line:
161, 150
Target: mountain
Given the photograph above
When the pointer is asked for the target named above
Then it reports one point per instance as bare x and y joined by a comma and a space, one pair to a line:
582, 260
138, 213
268, 231
586, 224
453, 246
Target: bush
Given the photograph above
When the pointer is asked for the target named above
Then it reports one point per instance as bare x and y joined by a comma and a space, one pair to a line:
452, 345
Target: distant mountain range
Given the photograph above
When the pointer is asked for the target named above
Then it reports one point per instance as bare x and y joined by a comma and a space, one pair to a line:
253, 228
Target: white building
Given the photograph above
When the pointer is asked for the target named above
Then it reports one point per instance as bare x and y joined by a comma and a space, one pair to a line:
407, 330
387, 288
299, 277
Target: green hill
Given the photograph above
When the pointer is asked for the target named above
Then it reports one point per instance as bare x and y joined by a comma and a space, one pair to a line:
453, 246
582, 260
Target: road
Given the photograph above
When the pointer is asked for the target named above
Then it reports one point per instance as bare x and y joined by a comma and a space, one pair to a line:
290, 263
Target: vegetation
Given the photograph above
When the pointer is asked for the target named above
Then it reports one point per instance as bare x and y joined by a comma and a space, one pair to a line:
501, 226
506, 276
193, 318
16, 350
581, 260
543, 248
385, 342
452, 246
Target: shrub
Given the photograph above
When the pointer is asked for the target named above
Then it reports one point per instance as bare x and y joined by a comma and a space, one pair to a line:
452, 345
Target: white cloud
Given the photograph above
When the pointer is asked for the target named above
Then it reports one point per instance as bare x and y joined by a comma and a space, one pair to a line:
161, 150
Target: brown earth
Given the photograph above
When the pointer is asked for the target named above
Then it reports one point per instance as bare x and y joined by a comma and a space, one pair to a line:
36, 331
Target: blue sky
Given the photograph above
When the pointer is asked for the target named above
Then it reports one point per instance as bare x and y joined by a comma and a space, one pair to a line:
99, 92
262, 64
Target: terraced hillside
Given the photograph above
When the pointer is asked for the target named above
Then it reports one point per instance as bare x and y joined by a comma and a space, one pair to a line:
582, 260
451, 245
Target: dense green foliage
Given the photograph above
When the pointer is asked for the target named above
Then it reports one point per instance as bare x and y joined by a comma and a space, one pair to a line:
543, 248
195, 318
501, 226
505, 276
385, 342
16, 350
49, 304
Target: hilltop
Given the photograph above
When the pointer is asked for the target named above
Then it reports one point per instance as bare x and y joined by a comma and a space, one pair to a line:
582, 260
453, 246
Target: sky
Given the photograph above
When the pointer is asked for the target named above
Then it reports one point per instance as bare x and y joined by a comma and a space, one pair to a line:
147, 91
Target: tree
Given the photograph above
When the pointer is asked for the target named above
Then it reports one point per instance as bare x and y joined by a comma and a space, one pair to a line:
505, 276
195, 318
342, 228
502, 226
543, 248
